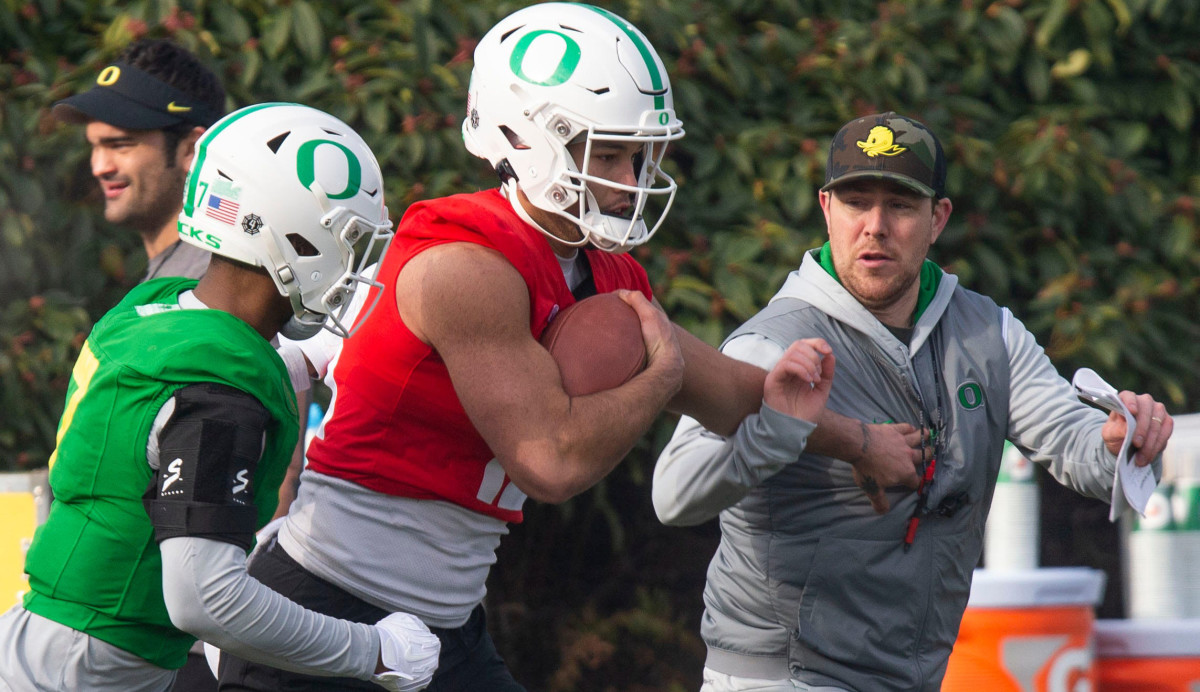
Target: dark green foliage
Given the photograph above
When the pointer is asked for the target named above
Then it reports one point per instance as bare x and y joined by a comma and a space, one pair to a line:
1075, 173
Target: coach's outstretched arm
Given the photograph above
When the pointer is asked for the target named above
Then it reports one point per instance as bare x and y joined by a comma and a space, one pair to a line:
700, 473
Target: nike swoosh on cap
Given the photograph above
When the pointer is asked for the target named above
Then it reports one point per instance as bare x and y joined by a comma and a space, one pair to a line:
172, 108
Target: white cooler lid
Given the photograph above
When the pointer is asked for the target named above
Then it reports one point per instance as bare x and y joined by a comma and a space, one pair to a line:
1167, 638
1032, 588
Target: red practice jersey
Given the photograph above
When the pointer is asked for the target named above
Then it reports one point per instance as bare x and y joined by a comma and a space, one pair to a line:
396, 425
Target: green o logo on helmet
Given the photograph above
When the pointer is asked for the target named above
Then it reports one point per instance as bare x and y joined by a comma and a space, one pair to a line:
566, 64
970, 396
306, 167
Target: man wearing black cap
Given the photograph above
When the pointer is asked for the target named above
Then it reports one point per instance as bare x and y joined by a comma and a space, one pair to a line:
810, 588
143, 117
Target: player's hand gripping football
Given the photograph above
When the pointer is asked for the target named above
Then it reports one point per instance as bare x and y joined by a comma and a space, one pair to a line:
408, 651
663, 352
799, 383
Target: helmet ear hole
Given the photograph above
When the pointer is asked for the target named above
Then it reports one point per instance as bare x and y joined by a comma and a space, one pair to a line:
301, 245
513, 138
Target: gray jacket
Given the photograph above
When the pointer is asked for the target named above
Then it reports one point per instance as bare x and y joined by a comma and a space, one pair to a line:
808, 582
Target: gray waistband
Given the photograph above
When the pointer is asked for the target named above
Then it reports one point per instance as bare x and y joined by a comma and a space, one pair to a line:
766, 667
426, 557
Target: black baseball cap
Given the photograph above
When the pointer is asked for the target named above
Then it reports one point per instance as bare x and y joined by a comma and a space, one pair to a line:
128, 97
887, 146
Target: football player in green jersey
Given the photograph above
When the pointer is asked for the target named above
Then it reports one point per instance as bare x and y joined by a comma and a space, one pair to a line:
179, 424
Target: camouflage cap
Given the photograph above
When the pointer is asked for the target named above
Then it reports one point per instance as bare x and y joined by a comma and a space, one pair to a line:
886, 146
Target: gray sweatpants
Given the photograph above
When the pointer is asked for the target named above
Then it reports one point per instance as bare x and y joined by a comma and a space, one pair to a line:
720, 682
40, 655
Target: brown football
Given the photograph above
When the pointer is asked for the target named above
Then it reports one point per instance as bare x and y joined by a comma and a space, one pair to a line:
597, 343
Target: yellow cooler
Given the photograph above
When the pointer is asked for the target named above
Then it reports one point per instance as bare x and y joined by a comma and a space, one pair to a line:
24, 503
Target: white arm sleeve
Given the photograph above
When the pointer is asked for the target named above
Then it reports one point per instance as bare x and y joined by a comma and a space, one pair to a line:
700, 473
1049, 424
297, 364
318, 350
210, 596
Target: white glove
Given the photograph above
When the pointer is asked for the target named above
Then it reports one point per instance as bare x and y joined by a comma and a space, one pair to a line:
409, 651
212, 656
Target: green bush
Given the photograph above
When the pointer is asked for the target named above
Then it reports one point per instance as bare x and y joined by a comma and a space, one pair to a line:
1075, 174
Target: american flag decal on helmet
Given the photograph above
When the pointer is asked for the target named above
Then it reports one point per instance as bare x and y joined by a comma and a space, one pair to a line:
221, 209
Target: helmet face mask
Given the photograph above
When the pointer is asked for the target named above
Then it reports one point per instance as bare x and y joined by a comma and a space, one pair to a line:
329, 308
555, 74
607, 231
293, 190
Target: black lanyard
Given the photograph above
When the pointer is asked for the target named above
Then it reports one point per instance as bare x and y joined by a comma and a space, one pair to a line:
936, 429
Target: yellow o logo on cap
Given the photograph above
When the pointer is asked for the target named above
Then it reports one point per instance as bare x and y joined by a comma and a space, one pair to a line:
109, 76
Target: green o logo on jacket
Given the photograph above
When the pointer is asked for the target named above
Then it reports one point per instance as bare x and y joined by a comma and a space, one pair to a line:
970, 396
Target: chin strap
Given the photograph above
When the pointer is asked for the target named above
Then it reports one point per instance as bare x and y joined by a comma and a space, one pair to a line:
297, 330
509, 190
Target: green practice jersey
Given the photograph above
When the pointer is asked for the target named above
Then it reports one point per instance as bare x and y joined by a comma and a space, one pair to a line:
95, 565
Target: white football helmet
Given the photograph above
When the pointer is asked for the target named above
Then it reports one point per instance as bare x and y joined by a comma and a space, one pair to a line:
558, 73
291, 189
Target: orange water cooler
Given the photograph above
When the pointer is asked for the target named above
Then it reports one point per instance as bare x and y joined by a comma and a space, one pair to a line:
1148, 655
1027, 631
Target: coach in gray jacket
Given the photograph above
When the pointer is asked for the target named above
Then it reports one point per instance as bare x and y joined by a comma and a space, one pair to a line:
810, 589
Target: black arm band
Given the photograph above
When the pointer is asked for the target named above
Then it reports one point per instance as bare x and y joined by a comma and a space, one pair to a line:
219, 522
209, 451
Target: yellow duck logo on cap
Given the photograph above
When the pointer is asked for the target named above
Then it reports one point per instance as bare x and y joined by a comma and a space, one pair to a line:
879, 143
